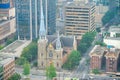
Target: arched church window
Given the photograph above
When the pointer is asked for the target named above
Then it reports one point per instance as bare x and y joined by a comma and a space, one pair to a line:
42, 63
57, 64
41, 54
50, 54
57, 56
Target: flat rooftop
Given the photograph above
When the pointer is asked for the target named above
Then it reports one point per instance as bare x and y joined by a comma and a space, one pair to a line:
112, 38
4, 61
15, 49
115, 29
80, 4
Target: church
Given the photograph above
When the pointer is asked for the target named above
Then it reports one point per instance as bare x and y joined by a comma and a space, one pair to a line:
53, 48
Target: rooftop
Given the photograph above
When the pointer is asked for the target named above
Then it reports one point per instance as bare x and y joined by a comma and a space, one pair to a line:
4, 61
112, 38
97, 51
66, 41
79, 3
15, 48
114, 53
115, 29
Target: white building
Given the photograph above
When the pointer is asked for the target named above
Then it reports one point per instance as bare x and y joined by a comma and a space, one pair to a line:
114, 38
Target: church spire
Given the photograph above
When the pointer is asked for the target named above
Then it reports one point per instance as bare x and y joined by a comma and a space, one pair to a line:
58, 43
42, 31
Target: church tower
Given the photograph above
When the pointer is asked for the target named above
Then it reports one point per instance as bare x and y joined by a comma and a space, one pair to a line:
59, 52
42, 42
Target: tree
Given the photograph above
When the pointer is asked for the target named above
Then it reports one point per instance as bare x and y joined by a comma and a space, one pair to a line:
108, 16
95, 71
30, 52
21, 61
50, 72
98, 29
86, 41
1, 47
15, 76
26, 70
73, 60
100, 43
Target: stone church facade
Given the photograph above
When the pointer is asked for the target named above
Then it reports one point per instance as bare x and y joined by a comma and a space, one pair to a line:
53, 48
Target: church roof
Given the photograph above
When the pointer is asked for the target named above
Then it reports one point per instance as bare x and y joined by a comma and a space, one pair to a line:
65, 40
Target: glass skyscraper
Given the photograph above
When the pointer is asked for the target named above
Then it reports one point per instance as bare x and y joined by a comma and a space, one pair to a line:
23, 17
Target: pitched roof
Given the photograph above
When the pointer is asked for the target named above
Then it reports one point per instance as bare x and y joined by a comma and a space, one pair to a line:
65, 40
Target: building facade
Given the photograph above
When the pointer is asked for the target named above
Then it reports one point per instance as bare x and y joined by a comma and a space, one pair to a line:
112, 58
107, 59
113, 39
28, 17
7, 19
97, 57
7, 68
53, 49
79, 18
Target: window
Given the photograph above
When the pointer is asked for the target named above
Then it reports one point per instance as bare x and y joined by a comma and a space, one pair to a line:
57, 64
50, 54
42, 63
57, 56
41, 54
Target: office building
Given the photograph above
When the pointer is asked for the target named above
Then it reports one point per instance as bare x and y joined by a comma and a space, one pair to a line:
7, 67
28, 17
7, 20
103, 2
113, 38
79, 18
99, 14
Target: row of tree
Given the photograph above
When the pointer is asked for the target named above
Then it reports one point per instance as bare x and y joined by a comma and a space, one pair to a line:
29, 54
72, 61
86, 41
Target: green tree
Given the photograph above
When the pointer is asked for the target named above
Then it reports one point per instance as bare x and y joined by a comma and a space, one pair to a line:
86, 41
100, 43
15, 76
30, 52
73, 60
98, 29
95, 71
26, 70
21, 61
1, 47
108, 16
50, 72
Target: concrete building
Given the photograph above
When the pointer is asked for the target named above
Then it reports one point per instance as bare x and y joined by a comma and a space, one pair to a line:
79, 18
7, 19
99, 13
114, 38
15, 49
28, 17
97, 59
112, 58
7, 67
53, 49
